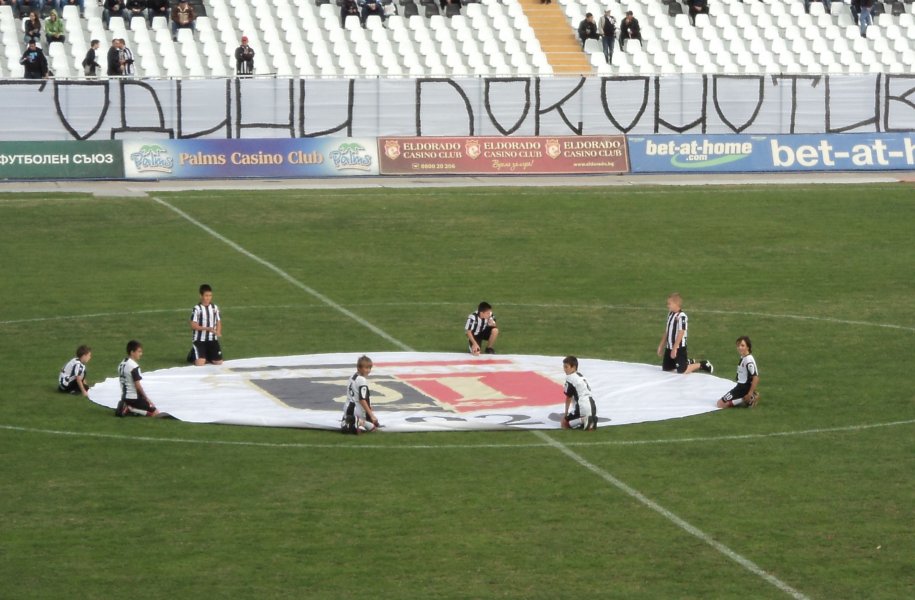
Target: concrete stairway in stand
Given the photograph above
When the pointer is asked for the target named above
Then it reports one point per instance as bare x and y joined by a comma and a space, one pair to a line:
558, 40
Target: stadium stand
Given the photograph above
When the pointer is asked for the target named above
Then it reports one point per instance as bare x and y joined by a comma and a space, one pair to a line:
490, 38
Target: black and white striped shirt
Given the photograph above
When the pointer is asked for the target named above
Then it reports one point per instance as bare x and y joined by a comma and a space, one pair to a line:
205, 316
73, 369
676, 322
477, 324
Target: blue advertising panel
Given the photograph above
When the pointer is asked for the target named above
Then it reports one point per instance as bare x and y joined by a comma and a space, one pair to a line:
224, 159
772, 153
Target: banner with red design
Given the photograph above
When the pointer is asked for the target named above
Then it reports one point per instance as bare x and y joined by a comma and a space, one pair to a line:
597, 154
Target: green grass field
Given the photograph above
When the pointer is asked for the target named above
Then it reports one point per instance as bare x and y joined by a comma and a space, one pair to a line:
820, 277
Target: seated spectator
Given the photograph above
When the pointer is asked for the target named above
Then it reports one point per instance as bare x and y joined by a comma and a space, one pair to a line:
244, 58
54, 28
157, 8
34, 61
25, 6
587, 29
32, 27
349, 8
697, 7
113, 8
60, 4
114, 58
445, 3
90, 63
389, 7
371, 7
826, 5
629, 30
183, 17
136, 8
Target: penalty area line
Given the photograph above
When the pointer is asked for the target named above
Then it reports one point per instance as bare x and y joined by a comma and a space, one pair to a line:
741, 560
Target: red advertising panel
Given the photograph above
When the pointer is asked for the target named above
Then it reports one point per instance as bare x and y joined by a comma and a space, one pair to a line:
510, 155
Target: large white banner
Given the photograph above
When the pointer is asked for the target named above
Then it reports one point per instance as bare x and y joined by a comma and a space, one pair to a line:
523, 106
413, 391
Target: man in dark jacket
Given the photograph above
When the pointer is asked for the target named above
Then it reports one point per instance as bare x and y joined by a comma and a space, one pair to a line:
34, 61
349, 8
157, 8
629, 30
114, 58
587, 29
90, 63
244, 58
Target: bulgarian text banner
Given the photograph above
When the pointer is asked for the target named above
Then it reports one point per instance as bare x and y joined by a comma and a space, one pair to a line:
454, 107
201, 159
771, 153
491, 155
61, 160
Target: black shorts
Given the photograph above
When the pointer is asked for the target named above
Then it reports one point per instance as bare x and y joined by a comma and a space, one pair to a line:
73, 388
678, 364
739, 391
139, 404
208, 351
483, 335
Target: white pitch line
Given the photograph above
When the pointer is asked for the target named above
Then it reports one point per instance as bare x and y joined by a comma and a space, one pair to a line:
654, 442
305, 288
741, 560
515, 304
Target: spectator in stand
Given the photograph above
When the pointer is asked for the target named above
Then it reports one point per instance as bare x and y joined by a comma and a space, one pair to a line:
136, 8
445, 3
629, 30
125, 57
864, 15
113, 8
371, 7
349, 8
32, 27
114, 58
244, 58
60, 4
587, 29
607, 28
697, 7
183, 17
826, 5
157, 8
90, 63
28, 5
54, 28
34, 61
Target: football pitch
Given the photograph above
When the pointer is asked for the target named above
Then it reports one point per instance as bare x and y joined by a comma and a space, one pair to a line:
811, 494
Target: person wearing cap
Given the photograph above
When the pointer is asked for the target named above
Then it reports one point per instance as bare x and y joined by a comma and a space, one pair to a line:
157, 8
34, 61
244, 58
629, 30
113, 8
183, 17
607, 29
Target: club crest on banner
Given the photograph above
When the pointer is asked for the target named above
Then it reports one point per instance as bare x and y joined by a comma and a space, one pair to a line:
472, 148
392, 149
